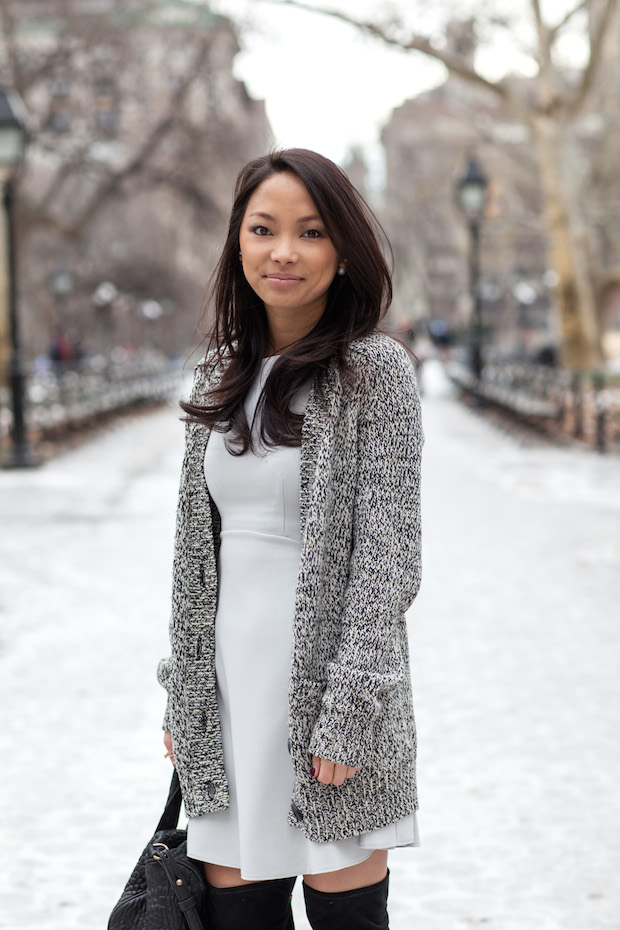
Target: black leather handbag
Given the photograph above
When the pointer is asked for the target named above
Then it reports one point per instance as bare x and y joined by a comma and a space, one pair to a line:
166, 890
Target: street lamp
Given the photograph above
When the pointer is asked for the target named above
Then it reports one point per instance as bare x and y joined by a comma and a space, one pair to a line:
471, 193
13, 139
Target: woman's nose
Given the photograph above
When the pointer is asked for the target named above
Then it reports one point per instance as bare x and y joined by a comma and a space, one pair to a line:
283, 250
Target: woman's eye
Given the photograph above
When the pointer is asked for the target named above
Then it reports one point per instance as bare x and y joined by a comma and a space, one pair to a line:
260, 230
313, 234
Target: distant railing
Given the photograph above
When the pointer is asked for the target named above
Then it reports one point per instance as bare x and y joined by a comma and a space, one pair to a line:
586, 408
69, 395
607, 418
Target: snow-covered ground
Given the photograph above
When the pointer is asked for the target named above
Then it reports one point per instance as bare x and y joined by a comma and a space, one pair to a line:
516, 648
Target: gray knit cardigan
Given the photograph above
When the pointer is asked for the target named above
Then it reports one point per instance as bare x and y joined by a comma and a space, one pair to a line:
350, 689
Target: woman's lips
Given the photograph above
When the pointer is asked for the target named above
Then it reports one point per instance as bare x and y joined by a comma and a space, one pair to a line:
283, 280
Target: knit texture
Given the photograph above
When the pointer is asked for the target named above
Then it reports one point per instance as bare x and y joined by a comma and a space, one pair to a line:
360, 569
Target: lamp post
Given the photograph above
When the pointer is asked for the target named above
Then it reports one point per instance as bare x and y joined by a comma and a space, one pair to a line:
471, 193
13, 138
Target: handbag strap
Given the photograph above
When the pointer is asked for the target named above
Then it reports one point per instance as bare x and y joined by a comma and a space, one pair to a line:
185, 899
170, 817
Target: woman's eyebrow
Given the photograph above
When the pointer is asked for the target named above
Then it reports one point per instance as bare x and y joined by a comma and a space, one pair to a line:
302, 219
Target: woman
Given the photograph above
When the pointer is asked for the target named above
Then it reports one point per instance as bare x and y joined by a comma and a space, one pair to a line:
297, 553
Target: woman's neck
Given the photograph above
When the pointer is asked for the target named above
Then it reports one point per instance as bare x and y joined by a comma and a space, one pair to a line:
286, 328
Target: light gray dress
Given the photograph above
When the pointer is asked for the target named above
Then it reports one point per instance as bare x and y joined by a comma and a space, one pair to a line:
257, 496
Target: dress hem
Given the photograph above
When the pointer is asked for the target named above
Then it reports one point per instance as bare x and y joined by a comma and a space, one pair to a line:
277, 874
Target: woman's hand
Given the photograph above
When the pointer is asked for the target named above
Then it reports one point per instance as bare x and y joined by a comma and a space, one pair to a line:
331, 773
168, 745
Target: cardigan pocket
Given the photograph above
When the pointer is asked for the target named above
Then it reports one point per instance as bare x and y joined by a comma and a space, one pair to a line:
394, 735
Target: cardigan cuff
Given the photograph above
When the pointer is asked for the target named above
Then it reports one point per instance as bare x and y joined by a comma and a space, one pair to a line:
163, 676
350, 710
166, 723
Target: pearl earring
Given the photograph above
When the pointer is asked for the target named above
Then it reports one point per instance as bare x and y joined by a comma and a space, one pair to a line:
241, 258
341, 270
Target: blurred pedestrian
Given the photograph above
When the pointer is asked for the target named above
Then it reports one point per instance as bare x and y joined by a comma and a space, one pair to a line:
422, 345
61, 351
297, 553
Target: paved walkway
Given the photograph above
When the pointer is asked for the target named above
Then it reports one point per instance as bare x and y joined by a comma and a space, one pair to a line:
516, 639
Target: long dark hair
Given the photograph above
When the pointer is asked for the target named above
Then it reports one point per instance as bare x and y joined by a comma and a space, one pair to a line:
356, 303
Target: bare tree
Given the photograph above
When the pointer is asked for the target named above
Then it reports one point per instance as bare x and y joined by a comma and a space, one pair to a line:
138, 127
548, 105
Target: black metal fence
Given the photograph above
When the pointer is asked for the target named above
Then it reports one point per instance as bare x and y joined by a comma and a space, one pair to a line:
70, 395
585, 407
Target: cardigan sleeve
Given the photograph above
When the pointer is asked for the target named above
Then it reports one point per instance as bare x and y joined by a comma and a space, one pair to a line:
385, 563
163, 675
164, 669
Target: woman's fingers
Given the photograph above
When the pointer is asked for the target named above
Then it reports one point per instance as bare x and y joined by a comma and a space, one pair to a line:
168, 744
323, 770
340, 774
331, 773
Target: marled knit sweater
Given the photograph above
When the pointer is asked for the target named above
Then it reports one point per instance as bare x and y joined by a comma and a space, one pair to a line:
360, 569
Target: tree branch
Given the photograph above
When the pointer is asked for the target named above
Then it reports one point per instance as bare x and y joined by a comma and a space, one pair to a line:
29, 78
554, 30
597, 42
7, 27
421, 44
545, 61
202, 203
112, 184
41, 208
540, 26
114, 181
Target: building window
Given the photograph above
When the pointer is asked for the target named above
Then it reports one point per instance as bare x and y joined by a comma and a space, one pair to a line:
106, 107
60, 113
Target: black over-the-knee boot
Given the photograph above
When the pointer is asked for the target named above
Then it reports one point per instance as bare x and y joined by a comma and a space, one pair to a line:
360, 909
258, 906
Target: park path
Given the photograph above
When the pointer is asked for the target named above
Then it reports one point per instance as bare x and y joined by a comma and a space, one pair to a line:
516, 647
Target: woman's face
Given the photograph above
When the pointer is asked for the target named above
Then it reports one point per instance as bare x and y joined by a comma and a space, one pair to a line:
288, 258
